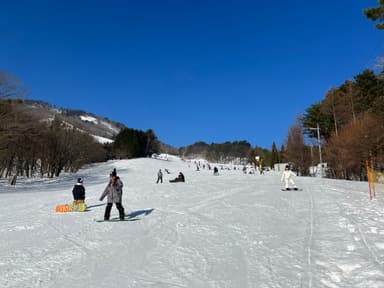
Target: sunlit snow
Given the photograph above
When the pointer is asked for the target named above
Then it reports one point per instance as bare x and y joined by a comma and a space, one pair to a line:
232, 230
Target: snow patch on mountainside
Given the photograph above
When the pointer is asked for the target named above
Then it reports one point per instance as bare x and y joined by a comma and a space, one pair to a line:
89, 119
115, 130
102, 140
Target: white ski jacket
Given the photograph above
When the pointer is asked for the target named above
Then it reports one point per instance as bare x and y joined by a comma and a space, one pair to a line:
287, 175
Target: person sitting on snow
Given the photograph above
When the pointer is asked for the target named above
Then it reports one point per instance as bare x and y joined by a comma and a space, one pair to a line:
215, 171
287, 178
78, 192
179, 178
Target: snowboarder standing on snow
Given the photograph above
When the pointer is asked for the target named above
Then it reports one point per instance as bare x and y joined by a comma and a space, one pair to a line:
159, 176
114, 191
287, 178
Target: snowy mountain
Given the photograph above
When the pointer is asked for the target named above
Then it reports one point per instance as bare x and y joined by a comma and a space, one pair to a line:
101, 128
233, 230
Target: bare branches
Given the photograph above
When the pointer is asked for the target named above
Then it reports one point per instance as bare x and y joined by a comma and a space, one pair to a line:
296, 151
11, 87
357, 142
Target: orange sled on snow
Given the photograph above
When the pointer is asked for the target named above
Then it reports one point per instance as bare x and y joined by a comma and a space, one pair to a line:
63, 208
76, 206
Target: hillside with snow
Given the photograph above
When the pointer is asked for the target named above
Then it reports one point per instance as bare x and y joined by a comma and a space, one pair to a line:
102, 129
232, 230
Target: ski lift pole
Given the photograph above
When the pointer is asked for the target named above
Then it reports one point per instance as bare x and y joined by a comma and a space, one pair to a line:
319, 142
317, 129
369, 179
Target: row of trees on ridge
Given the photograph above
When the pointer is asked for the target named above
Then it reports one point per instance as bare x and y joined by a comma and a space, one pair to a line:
32, 146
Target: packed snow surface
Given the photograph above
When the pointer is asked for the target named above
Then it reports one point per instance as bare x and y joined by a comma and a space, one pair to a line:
232, 230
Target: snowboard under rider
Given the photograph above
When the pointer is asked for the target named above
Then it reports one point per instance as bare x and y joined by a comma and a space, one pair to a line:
287, 178
114, 191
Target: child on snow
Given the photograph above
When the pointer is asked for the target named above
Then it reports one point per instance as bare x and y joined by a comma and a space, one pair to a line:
287, 178
159, 176
114, 191
78, 193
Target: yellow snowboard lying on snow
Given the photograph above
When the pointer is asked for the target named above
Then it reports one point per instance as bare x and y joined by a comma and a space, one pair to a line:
76, 206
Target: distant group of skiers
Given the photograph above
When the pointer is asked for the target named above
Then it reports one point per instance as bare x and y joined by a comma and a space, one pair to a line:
114, 189
179, 178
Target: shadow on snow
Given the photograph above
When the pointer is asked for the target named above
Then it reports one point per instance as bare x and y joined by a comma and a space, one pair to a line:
139, 212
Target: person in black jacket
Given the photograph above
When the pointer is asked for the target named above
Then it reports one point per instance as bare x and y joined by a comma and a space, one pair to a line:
179, 178
215, 171
78, 192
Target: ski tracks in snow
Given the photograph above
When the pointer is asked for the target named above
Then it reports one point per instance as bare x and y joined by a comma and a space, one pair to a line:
343, 239
310, 238
205, 247
235, 230
361, 224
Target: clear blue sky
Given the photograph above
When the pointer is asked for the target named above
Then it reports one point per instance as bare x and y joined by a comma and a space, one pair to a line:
210, 71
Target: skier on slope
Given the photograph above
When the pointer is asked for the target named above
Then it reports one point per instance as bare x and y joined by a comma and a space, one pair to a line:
114, 190
287, 178
159, 176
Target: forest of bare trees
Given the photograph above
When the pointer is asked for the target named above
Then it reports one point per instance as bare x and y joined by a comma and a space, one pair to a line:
29, 147
351, 122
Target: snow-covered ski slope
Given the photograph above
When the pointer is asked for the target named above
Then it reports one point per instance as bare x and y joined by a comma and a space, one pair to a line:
232, 230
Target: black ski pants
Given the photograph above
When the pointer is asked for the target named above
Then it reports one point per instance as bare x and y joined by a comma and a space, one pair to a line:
119, 207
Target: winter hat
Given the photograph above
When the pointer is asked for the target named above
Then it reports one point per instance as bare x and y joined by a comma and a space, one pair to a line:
287, 167
80, 180
113, 173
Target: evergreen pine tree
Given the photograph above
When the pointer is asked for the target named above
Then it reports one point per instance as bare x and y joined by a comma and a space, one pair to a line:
376, 14
274, 155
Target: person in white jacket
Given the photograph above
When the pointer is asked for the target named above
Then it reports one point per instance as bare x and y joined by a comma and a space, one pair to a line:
287, 178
